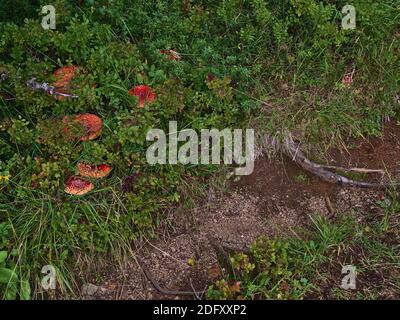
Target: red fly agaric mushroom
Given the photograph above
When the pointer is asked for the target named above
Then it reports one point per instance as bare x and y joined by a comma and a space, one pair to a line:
78, 186
93, 171
63, 78
144, 94
91, 124
172, 55
348, 78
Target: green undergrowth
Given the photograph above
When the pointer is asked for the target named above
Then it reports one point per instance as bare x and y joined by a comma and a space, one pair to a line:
309, 264
235, 55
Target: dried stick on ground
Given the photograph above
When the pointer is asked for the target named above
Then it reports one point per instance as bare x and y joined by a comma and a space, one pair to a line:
358, 170
162, 290
35, 85
292, 149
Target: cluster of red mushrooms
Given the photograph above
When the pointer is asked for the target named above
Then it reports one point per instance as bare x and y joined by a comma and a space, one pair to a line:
79, 184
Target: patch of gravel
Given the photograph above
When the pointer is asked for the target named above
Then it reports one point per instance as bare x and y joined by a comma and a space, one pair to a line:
235, 219
180, 259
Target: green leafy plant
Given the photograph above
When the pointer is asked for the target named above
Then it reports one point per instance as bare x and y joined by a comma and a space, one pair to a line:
270, 271
235, 56
10, 284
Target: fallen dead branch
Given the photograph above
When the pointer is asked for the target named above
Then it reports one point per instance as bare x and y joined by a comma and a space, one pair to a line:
329, 206
35, 85
162, 290
358, 170
226, 247
292, 149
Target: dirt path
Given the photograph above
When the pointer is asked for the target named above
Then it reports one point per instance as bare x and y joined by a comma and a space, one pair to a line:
276, 199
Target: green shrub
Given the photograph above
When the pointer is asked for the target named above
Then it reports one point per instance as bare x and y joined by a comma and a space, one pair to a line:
234, 54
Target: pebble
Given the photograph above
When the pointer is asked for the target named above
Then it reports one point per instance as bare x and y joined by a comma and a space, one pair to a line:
89, 289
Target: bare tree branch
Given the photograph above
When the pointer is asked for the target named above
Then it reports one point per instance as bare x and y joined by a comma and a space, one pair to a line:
34, 85
292, 149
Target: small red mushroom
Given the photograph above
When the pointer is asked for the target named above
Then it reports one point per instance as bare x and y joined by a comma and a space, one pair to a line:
93, 171
144, 94
78, 186
91, 124
348, 78
172, 55
63, 78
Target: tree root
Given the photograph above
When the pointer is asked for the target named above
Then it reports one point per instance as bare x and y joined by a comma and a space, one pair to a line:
162, 290
358, 170
292, 149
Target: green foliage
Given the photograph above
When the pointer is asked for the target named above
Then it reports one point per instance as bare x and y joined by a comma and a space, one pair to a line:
310, 265
271, 271
235, 54
10, 283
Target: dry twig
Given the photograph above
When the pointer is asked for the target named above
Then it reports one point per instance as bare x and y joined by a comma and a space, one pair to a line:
162, 290
292, 149
34, 85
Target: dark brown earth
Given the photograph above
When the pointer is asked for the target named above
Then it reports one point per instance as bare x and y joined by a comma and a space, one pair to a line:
373, 153
277, 199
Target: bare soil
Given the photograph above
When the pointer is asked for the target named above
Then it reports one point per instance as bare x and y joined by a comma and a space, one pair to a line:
277, 199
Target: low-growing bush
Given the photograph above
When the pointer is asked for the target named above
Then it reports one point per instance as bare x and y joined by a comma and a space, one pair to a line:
233, 56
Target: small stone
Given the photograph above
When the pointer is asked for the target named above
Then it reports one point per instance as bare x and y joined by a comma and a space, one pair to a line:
89, 289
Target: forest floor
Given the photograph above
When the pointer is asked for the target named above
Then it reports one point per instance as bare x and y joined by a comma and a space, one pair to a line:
278, 199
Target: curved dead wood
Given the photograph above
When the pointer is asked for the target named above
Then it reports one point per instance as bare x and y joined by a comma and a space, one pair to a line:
162, 290
35, 85
292, 149
357, 170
